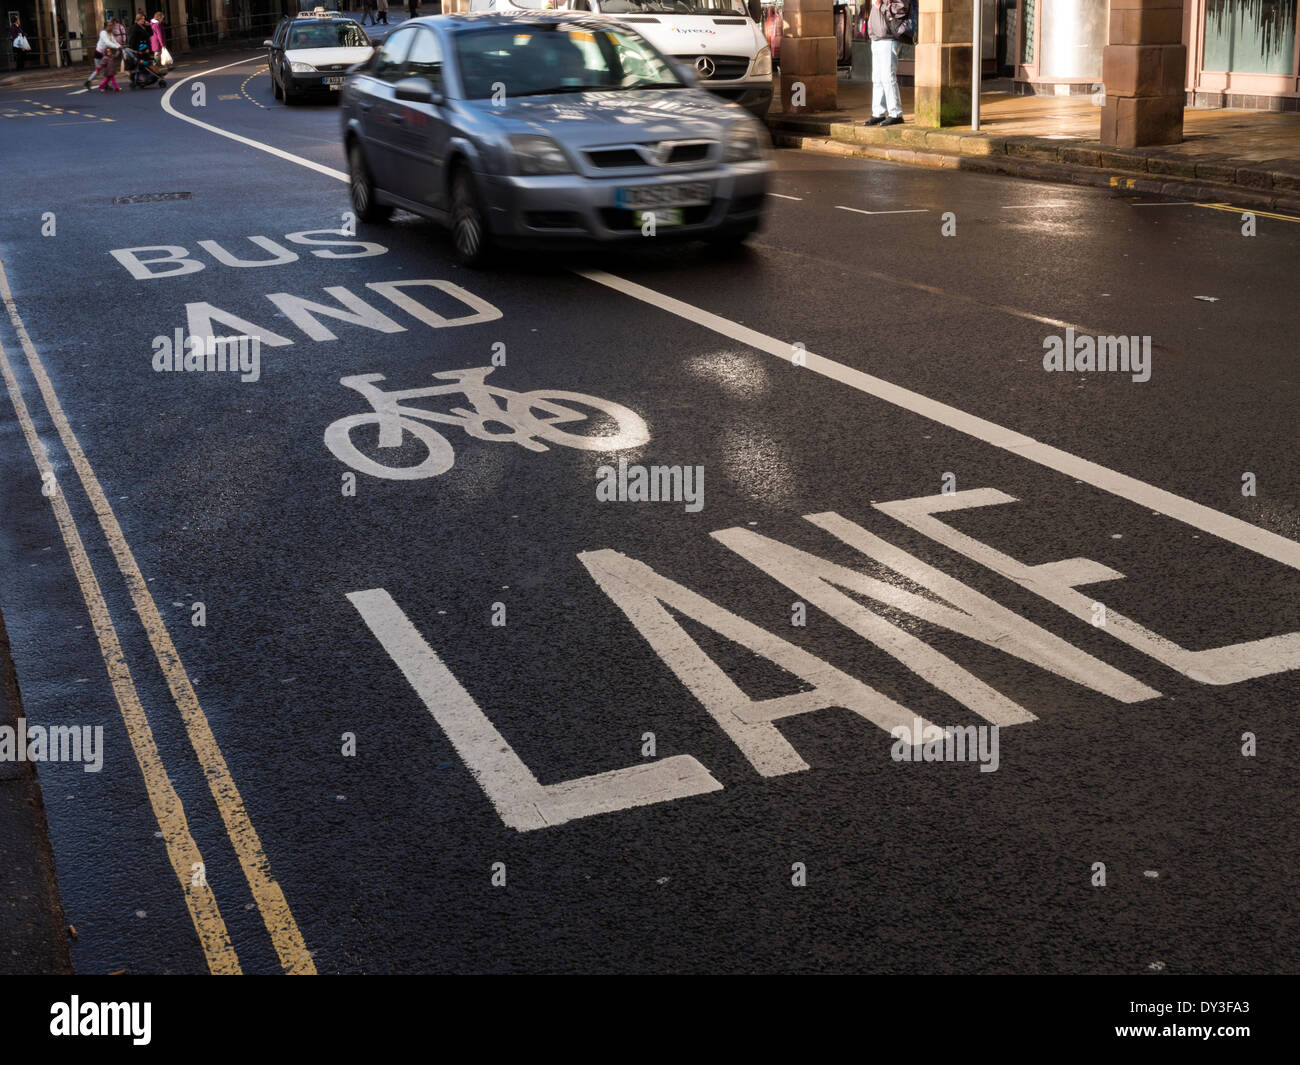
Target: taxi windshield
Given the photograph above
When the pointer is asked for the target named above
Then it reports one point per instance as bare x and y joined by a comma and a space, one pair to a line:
327, 35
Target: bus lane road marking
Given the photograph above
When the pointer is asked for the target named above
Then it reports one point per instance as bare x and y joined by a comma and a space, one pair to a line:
517, 794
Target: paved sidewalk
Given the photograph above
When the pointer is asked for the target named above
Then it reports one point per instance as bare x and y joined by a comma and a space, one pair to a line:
33, 934
1249, 157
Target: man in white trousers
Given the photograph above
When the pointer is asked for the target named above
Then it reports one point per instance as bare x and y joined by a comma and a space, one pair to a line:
886, 22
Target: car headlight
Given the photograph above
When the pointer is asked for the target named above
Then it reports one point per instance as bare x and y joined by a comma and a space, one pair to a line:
763, 61
302, 68
539, 155
743, 143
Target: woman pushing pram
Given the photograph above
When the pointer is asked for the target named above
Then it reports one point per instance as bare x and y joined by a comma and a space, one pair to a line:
146, 51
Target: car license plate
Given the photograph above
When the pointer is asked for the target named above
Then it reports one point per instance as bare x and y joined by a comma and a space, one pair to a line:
334, 83
663, 216
682, 194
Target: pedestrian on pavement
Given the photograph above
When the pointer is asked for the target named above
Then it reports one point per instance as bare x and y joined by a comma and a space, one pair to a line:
111, 50
140, 35
413, 8
368, 12
18, 41
158, 40
137, 43
887, 21
119, 31
382, 6
108, 49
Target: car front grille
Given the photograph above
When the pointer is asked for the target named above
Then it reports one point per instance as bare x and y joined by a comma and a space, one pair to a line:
615, 158
627, 156
726, 66
688, 153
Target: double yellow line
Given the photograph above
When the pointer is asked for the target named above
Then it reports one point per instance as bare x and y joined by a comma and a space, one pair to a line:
182, 851
1248, 210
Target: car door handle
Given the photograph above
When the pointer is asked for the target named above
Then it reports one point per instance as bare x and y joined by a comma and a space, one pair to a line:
396, 118
365, 106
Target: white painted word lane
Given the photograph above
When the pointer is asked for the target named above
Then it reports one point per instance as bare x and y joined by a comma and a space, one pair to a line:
648, 600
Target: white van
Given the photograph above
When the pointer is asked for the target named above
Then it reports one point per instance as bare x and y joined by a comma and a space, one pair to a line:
716, 38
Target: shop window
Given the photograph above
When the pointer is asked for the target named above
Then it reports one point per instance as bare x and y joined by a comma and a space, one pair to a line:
1250, 36
1074, 33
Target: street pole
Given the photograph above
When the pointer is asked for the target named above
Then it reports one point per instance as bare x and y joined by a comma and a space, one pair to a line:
56, 60
977, 61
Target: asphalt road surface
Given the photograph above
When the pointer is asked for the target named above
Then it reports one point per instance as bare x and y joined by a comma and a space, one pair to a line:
487, 718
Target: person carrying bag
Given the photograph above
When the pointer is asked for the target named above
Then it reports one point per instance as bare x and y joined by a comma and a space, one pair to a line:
158, 40
18, 40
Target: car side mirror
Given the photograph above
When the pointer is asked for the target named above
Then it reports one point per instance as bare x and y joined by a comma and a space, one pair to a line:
268, 43
417, 90
687, 73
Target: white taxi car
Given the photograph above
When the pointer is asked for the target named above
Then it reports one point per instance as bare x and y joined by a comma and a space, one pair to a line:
312, 51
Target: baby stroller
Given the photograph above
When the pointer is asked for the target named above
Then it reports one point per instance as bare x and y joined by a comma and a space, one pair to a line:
145, 70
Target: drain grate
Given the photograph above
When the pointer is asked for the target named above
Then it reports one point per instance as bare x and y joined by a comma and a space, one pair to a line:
154, 197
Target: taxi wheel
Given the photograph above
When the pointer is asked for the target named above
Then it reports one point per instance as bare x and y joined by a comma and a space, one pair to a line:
362, 189
469, 234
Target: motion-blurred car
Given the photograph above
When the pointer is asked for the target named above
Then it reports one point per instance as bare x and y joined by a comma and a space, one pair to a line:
548, 126
311, 52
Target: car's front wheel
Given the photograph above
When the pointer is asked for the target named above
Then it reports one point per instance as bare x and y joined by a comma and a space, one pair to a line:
362, 188
469, 234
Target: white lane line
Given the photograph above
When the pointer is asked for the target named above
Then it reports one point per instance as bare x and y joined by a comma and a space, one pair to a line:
167, 106
1197, 515
779, 196
859, 210
1032, 206
1234, 530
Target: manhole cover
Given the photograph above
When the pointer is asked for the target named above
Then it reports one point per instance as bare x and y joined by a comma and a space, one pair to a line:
154, 197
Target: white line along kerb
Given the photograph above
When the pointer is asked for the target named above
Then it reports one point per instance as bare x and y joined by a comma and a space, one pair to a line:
320, 168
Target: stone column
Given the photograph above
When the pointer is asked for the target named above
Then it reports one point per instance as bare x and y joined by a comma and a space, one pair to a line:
808, 56
943, 63
1144, 71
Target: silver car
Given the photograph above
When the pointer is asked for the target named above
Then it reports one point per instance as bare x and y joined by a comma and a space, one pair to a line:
531, 127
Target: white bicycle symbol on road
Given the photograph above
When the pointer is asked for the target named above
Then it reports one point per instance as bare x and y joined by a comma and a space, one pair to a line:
526, 419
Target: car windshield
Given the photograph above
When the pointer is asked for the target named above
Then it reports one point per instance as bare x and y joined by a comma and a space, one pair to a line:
556, 57
328, 35
673, 7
